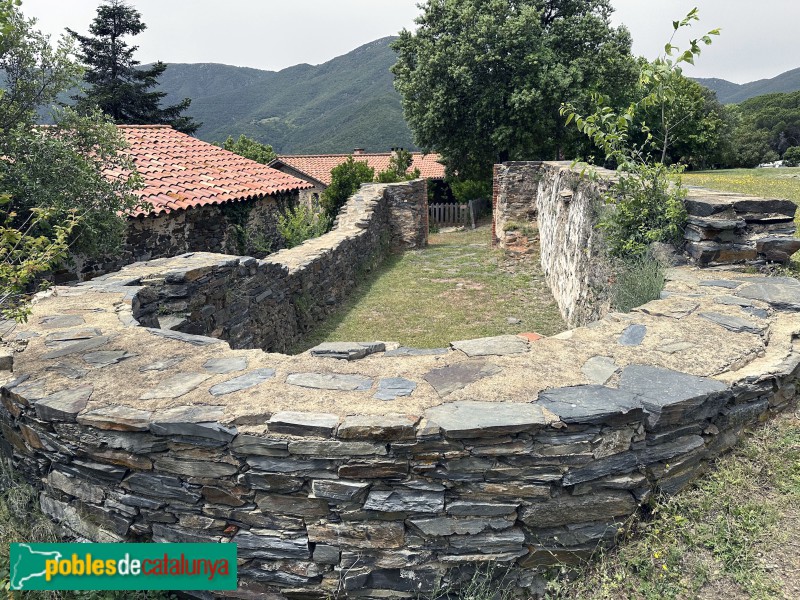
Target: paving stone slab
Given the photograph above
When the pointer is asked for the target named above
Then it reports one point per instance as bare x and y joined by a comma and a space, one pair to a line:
81, 346
404, 351
502, 345
243, 382
633, 335
330, 381
734, 324
61, 321
303, 423
347, 350
447, 380
194, 340
592, 404
676, 347
163, 365
72, 335
723, 283
105, 358
672, 310
599, 369
782, 296
67, 370
176, 386
470, 419
394, 387
222, 366
64, 405
671, 397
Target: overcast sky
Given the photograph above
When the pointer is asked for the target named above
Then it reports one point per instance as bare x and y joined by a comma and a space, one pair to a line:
759, 39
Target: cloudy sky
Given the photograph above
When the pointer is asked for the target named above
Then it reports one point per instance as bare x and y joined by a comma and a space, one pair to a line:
759, 39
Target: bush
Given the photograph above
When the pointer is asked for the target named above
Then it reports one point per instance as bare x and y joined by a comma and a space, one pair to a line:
791, 158
639, 280
346, 178
301, 224
646, 206
471, 189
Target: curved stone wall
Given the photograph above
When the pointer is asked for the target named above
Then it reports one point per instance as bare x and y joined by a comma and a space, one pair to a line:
371, 470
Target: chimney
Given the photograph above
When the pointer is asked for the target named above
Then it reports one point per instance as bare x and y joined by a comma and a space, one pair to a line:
357, 151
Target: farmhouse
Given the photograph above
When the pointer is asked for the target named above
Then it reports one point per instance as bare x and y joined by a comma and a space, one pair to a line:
316, 168
201, 198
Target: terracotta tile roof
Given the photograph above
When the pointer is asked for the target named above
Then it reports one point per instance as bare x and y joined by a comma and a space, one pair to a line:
318, 166
181, 172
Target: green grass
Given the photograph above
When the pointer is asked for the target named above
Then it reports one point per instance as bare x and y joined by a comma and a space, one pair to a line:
732, 535
457, 288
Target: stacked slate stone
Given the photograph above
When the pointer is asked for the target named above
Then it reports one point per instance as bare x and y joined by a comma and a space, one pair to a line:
730, 228
272, 303
391, 505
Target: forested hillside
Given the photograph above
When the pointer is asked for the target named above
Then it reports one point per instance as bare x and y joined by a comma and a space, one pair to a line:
733, 93
342, 104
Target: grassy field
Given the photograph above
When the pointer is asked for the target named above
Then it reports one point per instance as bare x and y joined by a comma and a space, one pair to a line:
457, 288
734, 535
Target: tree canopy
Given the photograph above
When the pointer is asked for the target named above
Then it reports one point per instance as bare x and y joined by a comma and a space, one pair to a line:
764, 128
54, 194
482, 81
115, 82
250, 148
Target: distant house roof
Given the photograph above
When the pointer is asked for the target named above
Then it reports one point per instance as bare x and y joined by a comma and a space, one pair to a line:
318, 166
181, 172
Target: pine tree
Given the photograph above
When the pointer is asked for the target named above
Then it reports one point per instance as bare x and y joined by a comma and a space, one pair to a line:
115, 84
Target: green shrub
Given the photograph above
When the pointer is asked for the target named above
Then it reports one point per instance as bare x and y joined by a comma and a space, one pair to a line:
471, 189
301, 224
346, 178
791, 158
647, 206
638, 281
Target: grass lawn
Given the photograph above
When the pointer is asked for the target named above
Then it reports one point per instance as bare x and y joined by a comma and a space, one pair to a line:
735, 534
457, 288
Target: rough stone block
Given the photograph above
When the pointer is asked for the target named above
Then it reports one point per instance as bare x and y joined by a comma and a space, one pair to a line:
468, 419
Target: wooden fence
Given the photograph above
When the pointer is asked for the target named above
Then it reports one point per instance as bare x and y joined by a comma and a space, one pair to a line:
457, 215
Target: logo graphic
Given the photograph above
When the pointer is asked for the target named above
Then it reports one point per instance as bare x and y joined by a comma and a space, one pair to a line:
122, 567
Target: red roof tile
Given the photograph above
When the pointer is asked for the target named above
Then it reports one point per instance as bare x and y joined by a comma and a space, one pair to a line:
319, 166
181, 172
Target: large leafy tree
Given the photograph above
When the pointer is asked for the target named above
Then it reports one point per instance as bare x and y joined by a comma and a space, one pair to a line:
483, 80
116, 83
56, 194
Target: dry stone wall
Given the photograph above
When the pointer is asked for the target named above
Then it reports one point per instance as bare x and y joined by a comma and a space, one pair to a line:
272, 303
566, 207
248, 227
369, 470
566, 204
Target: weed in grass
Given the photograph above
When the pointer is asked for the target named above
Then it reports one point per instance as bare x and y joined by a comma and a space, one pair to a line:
638, 281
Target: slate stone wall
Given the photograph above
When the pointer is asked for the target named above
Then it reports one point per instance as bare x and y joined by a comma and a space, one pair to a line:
273, 303
393, 505
566, 207
722, 229
238, 228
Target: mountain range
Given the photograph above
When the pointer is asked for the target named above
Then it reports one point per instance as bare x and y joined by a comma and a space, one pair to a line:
733, 93
348, 102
